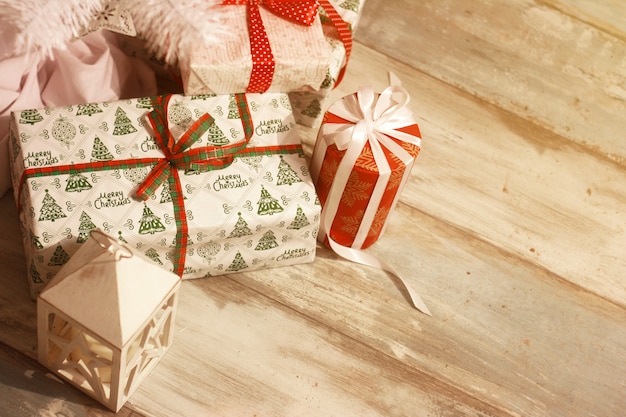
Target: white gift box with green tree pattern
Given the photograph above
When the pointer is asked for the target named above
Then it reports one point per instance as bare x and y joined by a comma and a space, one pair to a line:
202, 185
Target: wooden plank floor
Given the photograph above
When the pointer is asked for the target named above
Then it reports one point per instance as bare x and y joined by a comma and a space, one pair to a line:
512, 228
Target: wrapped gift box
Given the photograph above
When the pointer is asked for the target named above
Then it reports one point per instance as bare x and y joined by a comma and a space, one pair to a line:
239, 198
359, 172
299, 49
362, 159
339, 22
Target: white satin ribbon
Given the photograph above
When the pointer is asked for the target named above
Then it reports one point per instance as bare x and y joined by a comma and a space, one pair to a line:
371, 120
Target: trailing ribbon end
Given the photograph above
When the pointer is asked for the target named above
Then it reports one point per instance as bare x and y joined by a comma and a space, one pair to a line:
394, 80
358, 256
416, 300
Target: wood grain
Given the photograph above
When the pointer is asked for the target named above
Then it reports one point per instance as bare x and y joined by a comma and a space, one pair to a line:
253, 354
538, 194
511, 228
494, 315
28, 389
606, 16
523, 56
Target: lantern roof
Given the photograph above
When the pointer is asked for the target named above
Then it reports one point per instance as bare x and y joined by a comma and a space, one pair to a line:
109, 290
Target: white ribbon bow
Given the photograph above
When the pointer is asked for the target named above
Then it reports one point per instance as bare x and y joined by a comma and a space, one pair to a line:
371, 120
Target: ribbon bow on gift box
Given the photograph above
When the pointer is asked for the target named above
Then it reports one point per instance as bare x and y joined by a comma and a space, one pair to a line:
370, 119
178, 154
263, 64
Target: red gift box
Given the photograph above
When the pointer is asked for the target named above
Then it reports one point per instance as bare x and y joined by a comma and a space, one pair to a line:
363, 156
362, 159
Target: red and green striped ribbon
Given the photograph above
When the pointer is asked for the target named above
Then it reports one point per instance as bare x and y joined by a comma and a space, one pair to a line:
178, 155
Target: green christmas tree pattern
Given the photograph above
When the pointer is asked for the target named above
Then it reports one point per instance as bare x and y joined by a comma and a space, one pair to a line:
268, 204
88, 109
123, 125
85, 226
76, 183
237, 264
267, 241
207, 251
233, 110
241, 228
189, 241
215, 136
34, 240
59, 257
149, 223
64, 131
313, 109
286, 174
121, 238
50, 210
30, 117
144, 103
299, 221
352, 5
34, 274
154, 255
99, 151
166, 193
327, 83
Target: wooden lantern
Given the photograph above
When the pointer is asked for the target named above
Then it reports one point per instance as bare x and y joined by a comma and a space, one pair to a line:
106, 319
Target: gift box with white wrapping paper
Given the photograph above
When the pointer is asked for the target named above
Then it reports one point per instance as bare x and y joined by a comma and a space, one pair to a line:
202, 185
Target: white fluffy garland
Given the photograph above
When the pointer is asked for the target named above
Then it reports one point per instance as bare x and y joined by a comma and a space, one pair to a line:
170, 27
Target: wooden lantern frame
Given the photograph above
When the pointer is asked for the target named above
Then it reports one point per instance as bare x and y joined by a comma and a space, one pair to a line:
109, 363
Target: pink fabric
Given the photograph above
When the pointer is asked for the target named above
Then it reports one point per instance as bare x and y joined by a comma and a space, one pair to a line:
91, 69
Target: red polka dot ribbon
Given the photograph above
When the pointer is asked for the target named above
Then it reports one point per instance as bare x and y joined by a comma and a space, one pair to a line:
263, 64
345, 34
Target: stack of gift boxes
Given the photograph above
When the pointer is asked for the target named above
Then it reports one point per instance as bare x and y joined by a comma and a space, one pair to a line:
237, 194
208, 181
